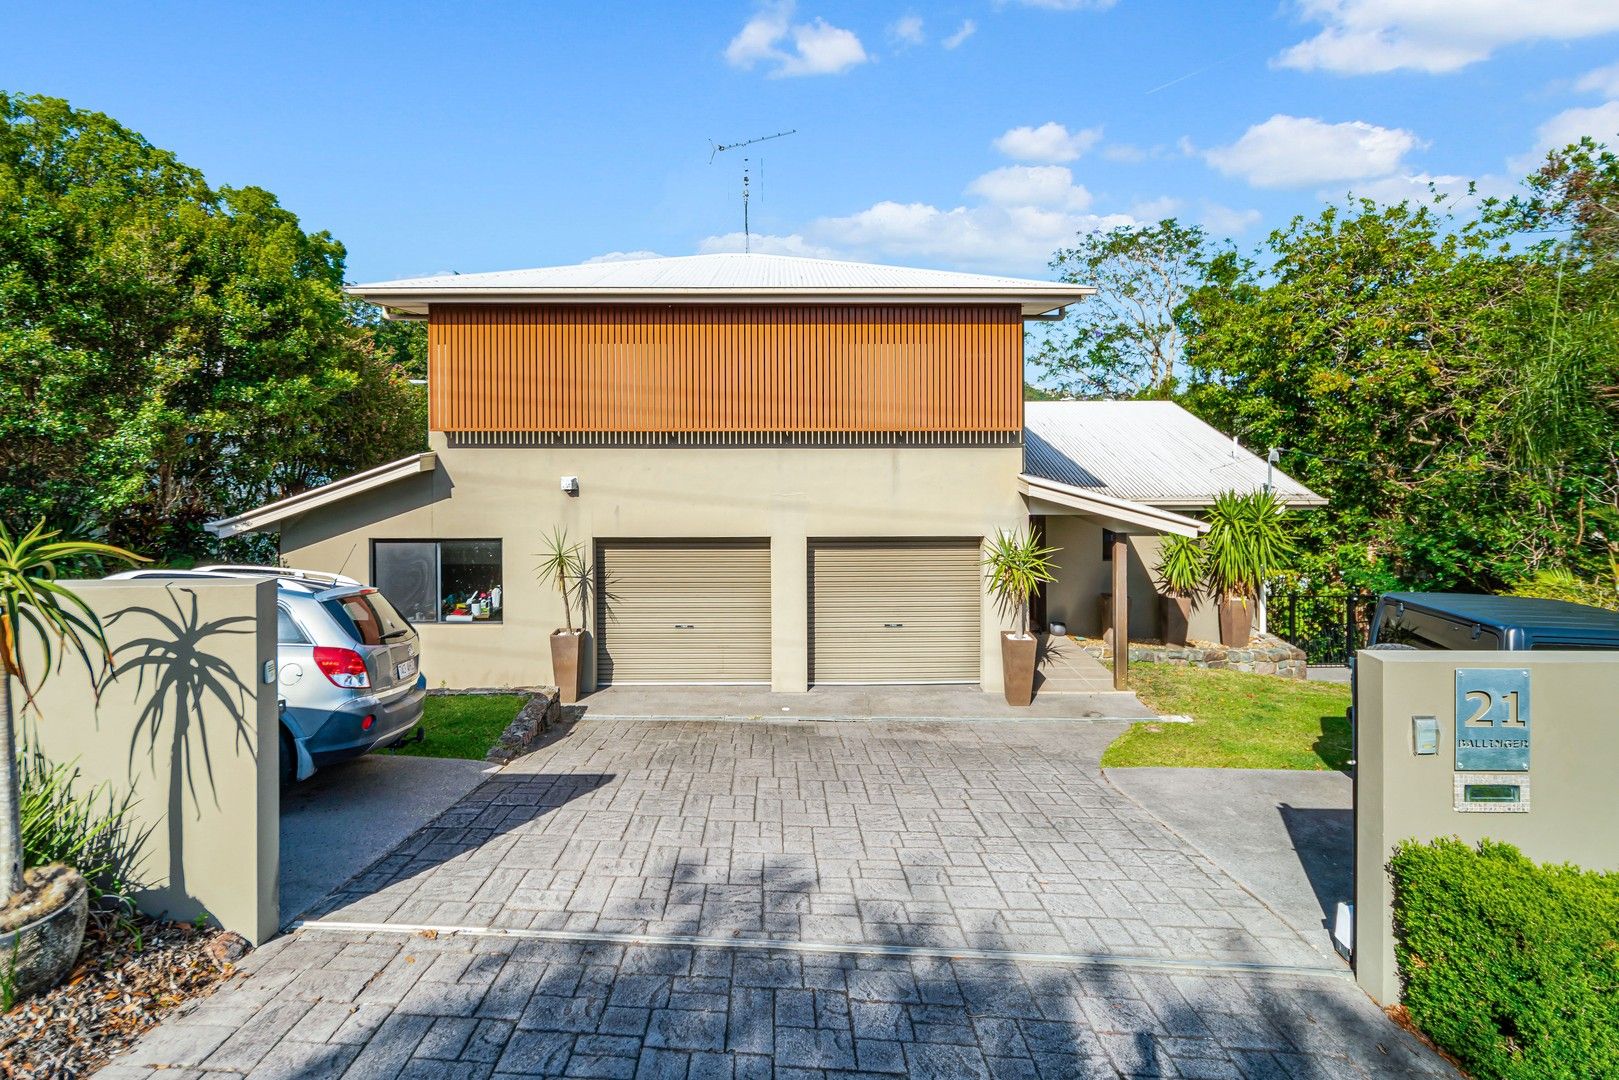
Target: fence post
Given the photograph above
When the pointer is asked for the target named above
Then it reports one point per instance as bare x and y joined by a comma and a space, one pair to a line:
1349, 627
1293, 618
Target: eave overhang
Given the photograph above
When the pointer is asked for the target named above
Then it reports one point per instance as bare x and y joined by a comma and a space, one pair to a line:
1120, 515
262, 517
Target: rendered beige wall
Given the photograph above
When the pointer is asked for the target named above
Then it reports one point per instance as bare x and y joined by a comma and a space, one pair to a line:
1574, 757
187, 725
786, 494
1082, 576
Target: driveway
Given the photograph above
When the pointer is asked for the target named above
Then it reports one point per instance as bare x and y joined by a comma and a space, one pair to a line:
1287, 835
347, 816
793, 899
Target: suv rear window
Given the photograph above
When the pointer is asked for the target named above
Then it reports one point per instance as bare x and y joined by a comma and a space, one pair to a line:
369, 616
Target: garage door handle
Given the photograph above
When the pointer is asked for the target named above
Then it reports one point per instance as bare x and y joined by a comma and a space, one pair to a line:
893, 625
685, 626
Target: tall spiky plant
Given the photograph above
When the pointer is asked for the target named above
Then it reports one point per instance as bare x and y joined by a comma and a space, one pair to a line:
564, 566
1246, 543
31, 595
1182, 565
1018, 565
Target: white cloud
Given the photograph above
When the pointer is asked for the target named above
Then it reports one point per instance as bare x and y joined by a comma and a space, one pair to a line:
1224, 221
1421, 187
764, 244
622, 256
908, 29
966, 30
817, 47
1296, 151
1155, 209
1069, 5
1604, 81
1007, 237
1601, 122
1124, 153
1361, 37
1050, 142
1031, 185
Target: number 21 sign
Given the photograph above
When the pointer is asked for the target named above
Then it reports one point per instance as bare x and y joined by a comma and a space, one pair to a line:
1492, 720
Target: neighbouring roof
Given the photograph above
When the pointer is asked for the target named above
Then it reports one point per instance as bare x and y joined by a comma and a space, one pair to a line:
1120, 515
720, 278
1152, 452
261, 517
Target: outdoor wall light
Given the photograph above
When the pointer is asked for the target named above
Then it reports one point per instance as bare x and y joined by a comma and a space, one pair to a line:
570, 485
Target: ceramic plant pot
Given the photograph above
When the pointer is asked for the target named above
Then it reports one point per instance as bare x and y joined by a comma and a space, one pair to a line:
1177, 618
1017, 666
39, 953
565, 648
1236, 622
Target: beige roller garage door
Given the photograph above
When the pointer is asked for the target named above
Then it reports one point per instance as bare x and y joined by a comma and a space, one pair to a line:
683, 612
894, 611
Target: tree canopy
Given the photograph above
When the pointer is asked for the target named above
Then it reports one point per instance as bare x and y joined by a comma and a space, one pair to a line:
173, 351
1449, 379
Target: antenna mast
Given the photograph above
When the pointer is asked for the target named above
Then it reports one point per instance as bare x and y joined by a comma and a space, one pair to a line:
715, 148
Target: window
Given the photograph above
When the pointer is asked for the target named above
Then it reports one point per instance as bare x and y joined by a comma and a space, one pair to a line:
369, 616
287, 630
440, 580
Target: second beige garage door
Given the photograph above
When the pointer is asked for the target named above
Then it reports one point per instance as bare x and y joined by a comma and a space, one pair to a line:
895, 611
695, 611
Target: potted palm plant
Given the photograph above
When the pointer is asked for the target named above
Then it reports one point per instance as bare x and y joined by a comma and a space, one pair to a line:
1181, 569
1018, 564
44, 911
1246, 543
564, 566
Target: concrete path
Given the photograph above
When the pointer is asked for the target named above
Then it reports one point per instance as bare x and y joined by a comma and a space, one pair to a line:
864, 703
346, 817
796, 900
1285, 834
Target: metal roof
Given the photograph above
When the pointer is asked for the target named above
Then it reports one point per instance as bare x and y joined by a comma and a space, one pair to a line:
261, 517
728, 277
1152, 452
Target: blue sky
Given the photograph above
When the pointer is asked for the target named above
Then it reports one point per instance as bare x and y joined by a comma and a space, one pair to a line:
970, 135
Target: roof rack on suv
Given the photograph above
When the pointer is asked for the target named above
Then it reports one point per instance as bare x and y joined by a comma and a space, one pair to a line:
317, 576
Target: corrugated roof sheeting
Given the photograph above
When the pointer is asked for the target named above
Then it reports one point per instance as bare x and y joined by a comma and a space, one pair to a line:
720, 272
1146, 451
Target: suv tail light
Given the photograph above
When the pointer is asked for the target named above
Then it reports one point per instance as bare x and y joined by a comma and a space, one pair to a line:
344, 667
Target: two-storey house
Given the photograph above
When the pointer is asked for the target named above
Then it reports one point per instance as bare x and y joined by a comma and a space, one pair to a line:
783, 470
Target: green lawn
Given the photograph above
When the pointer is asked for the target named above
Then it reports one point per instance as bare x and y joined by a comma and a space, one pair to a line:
463, 726
1239, 721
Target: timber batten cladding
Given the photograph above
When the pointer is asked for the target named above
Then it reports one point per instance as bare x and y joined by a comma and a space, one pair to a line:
725, 368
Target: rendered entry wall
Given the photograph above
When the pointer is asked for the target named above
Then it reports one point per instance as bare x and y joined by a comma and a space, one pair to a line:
188, 727
1574, 758
784, 494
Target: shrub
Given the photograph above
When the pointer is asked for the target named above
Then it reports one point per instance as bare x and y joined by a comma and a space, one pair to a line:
84, 829
1510, 966
1562, 585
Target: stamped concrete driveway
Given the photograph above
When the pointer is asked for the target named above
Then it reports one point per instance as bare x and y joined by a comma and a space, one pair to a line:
793, 899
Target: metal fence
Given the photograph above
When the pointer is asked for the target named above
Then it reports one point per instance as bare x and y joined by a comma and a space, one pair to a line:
1328, 626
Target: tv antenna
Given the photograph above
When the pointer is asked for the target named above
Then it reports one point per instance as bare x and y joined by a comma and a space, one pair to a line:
714, 149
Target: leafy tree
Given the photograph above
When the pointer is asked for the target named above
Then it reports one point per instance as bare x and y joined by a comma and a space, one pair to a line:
1126, 340
174, 352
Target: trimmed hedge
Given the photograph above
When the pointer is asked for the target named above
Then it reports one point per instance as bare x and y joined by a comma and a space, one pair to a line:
1509, 966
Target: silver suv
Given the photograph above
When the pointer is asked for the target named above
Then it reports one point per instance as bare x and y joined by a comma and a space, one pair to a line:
347, 665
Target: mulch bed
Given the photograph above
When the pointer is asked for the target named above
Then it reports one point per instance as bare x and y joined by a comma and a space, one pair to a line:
128, 977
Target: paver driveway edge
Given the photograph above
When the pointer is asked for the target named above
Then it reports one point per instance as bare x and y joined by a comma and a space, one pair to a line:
597, 937
1230, 872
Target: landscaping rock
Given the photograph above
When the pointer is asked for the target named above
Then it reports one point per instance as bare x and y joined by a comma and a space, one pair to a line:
227, 948
1265, 655
542, 709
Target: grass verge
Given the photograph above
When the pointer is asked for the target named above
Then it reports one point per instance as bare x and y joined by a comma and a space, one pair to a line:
463, 725
1239, 721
